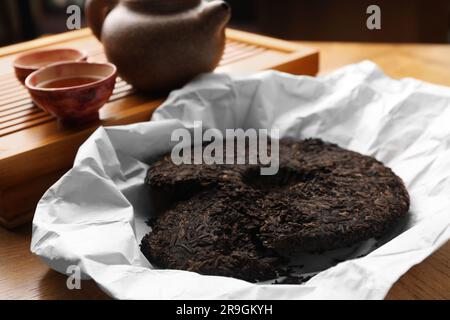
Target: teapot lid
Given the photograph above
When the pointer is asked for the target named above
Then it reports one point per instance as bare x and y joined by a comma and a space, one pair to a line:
165, 5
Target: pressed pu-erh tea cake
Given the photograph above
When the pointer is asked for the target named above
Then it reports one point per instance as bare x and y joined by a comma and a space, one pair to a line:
228, 220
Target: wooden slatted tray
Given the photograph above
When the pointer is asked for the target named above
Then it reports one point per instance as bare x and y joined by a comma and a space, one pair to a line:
35, 151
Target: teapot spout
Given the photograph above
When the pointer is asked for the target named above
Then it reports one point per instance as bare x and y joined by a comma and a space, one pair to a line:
217, 14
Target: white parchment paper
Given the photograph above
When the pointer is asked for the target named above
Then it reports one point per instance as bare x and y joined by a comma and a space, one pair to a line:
94, 217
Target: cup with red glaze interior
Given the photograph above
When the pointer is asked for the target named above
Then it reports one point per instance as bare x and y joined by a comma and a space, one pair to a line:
74, 92
29, 62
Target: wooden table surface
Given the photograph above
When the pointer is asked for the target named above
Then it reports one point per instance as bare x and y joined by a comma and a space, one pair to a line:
24, 276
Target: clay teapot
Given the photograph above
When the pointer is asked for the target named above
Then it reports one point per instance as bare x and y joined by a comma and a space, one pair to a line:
159, 45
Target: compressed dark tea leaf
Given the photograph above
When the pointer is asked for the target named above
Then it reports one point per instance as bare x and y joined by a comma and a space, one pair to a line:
228, 220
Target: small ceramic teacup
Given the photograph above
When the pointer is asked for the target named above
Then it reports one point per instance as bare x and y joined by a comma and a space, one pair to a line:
29, 62
74, 92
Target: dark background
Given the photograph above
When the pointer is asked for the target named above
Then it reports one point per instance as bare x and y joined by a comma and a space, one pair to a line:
332, 20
